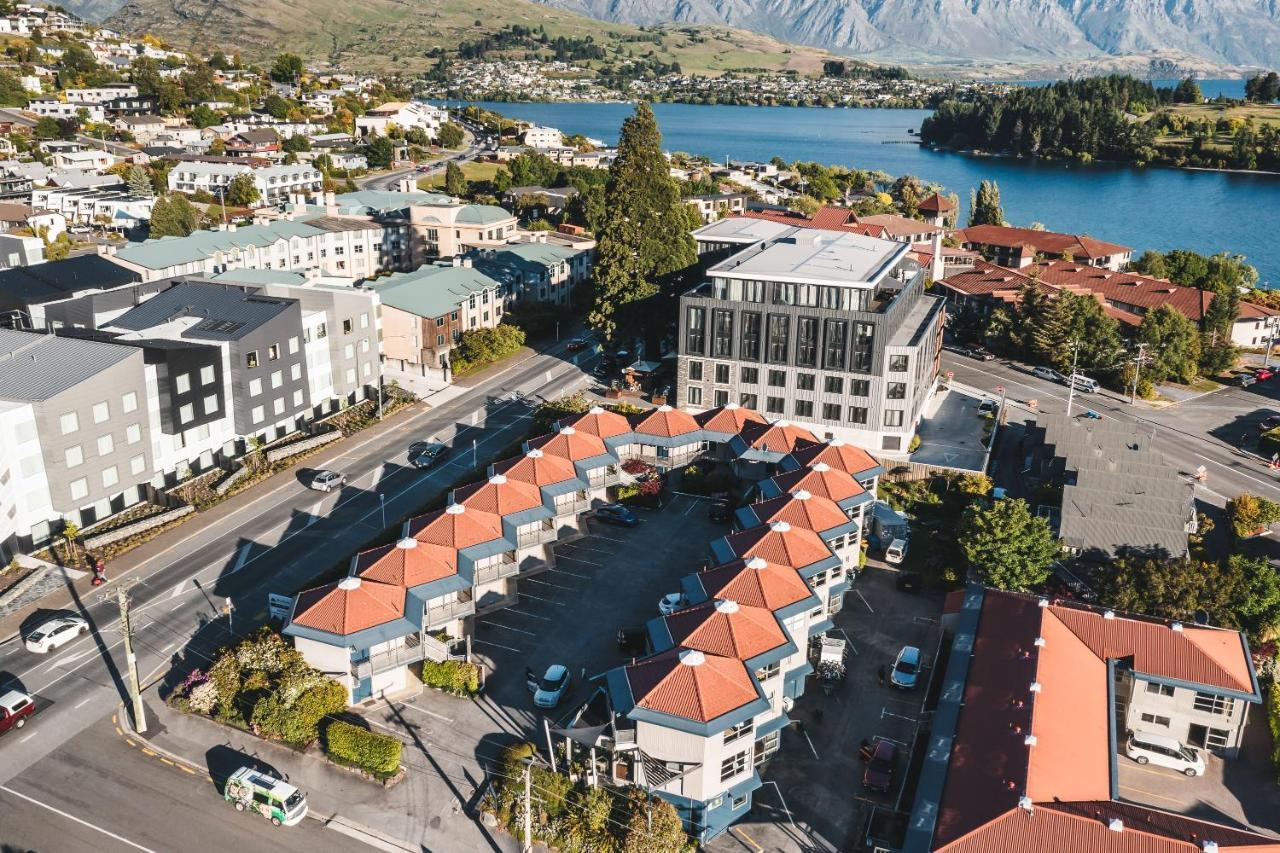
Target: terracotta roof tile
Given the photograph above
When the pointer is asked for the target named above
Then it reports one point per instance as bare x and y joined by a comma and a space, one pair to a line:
778, 437
780, 543
598, 422
407, 563
664, 421
726, 628
728, 419
456, 527
536, 467
822, 480
691, 684
936, 204
801, 509
755, 583
349, 605
569, 444
1044, 242
499, 495
835, 454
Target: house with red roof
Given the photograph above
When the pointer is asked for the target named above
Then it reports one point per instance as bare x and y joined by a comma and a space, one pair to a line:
1012, 247
1037, 700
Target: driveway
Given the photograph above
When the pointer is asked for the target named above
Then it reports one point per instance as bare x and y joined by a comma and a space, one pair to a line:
951, 432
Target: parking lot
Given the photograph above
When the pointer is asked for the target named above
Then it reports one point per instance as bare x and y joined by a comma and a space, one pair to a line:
812, 798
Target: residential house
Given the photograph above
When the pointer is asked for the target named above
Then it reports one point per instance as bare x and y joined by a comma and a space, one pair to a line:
537, 136
101, 94
402, 114
142, 127
88, 159
717, 206
1019, 247
111, 205
256, 142
54, 108
535, 271
275, 184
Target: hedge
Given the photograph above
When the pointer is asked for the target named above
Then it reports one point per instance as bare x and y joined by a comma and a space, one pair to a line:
452, 676
353, 746
1273, 721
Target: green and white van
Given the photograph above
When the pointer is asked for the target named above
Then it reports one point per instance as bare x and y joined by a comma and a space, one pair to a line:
274, 799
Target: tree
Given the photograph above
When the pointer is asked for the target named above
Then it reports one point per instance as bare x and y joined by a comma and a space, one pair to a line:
455, 182
984, 205
450, 135
653, 826
1006, 546
276, 106
379, 152
242, 191
1173, 344
1263, 88
46, 127
1257, 603
805, 205
1188, 92
173, 216
1248, 514
296, 143
287, 68
139, 181
644, 239
203, 116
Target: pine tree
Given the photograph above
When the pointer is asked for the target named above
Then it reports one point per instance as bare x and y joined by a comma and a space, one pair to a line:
644, 239
984, 205
173, 216
139, 182
455, 182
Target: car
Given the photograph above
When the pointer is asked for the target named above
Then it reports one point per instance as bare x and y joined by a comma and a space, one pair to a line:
428, 454
958, 349
670, 603
1263, 373
988, 405
909, 582
1092, 415
617, 514
1048, 373
981, 354
721, 512
1164, 751
896, 552
879, 773
1244, 380
424, 167
15, 707
327, 481
577, 345
1269, 423
552, 686
906, 668
55, 633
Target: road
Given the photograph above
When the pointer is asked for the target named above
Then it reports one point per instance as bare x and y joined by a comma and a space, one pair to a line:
278, 542
1203, 430
388, 181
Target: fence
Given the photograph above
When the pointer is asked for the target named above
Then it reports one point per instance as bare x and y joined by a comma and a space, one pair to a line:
296, 447
140, 526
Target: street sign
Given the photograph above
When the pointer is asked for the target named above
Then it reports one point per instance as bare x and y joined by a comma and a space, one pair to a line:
999, 389
279, 605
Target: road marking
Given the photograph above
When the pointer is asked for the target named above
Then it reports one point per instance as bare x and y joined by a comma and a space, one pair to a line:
377, 476
570, 574
85, 701
242, 557
1144, 792
177, 589
496, 645
541, 582
509, 628
149, 752
66, 659
811, 749
523, 613
864, 599
30, 736
575, 559
737, 830
72, 817
428, 713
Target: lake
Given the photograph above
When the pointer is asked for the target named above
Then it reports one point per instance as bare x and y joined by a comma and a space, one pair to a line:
1146, 208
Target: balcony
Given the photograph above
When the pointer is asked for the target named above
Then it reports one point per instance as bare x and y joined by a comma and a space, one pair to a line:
415, 649
602, 477
545, 533
497, 571
443, 613
573, 507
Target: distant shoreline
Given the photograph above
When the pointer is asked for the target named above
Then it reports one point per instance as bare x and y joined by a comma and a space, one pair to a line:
973, 152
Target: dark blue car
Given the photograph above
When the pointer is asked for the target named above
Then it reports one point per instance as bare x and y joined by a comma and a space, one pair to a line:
617, 514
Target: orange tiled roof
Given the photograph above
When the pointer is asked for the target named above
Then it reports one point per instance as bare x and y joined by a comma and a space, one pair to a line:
536, 467
348, 606
570, 444
801, 509
781, 543
1044, 242
598, 422
407, 563
778, 437
836, 454
755, 582
820, 479
936, 204
456, 526
664, 421
691, 684
730, 418
499, 495
726, 628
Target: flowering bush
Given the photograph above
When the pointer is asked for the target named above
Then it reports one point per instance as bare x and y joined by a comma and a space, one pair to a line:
203, 697
636, 466
651, 488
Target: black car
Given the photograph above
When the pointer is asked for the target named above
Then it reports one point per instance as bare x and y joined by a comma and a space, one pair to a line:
720, 512
425, 455
909, 582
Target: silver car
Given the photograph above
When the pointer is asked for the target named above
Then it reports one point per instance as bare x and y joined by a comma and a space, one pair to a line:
327, 481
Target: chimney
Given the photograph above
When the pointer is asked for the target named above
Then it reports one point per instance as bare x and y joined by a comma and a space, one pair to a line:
466, 262
1177, 626
330, 204
457, 261
937, 269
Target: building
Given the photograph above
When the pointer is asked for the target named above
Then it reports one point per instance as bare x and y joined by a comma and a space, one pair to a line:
540, 201
110, 205
89, 159
19, 251
1035, 699
937, 210
54, 108
275, 184
84, 292
402, 114
1019, 247
101, 94
718, 206
828, 329
254, 142
448, 230
536, 271
542, 137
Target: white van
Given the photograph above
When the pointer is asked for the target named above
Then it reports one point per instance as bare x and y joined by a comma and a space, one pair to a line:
1047, 373
1164, 751
896, 552
1084, 383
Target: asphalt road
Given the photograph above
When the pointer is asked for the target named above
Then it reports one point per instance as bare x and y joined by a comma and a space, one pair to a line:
286, 536
1203, 430
389, 180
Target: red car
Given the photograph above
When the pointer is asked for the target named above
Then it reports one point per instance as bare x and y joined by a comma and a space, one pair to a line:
879, 773
576, 345
1263, 373
15, 707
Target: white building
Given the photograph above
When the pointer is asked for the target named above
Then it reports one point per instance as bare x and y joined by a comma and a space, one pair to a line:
102, 94
54, 108
112, 206
542, 137
401, 114
87, 159
275, 184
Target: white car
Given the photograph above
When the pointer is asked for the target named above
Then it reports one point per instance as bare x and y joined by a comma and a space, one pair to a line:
55, 633
327, 481
552, 686
670, 603
896, 552
1164, 751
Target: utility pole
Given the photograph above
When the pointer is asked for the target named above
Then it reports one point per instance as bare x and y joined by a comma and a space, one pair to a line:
1138, 361
1271, 341
528, 808
1071, 380
121, 596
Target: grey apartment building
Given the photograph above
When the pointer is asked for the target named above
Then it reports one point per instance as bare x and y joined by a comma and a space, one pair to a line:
828, 329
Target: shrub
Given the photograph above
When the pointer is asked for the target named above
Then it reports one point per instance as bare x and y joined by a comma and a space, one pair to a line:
203, 697
1249, 513
353, 746
636, 467
459, 677
1273, 720
914, 445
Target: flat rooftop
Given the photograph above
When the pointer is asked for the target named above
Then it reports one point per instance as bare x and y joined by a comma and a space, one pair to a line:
742, 229
815, 256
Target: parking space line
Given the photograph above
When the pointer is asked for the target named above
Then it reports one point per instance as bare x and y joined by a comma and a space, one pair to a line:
509, 628
576, 559
609, 551
864, 600
550, 584
523, 613
539, 598
1142, 792
75, 819
737, 830
425, 711
602, 536
569, 573
496, 645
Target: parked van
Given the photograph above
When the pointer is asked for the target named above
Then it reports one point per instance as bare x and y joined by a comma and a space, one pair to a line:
896, 552
274, 799
1164, 751
1084, 383
1047, 373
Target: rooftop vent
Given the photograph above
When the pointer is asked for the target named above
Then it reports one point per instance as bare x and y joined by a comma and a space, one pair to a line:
595, 410
567, 431
348, 584
534, 454
1040, 642
780, 527
664, 408
1115, 825
1043, 602
407, 543
724, 605
1209, 846
455, 509
801, 495
1024, 803
1110, 614
498, 479
821, 467
1035, 687
690, 657
757, 563
731, 406
1029, 740
1177, 626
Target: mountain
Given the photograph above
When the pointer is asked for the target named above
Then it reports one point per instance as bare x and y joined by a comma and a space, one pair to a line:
1232, 32
92, 10
399, 35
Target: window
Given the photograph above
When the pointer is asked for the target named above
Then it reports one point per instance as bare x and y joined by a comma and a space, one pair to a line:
439, 340
129, 402
722, 333
187, 414
830, 412
75, 456
860, 387
133, 434
738, 803
79, 489
804, 408
742, 729
70, 423
295, 372
364, 345
297, 397
777, 379
110, 477
837, 335
833, 385
1160, 689
106, 444
364, 321
277, 406
1156, 719
138, 464
182, 383
779, 339
206, 375
807, 342
750, 346
734, 765
749, 375
774, 405
1217, 738
293, 345
896, 391
764, 673
277, 378
347, 325
891, 442
806, 381
695, 395
101, 412
439, 322
695, 371
322, 331
721, 397
893, 417
255, 387
251, 359
211, 404
722, 374
748, 401
898, 363
1214, 704
864, 339
258, 415
349, 351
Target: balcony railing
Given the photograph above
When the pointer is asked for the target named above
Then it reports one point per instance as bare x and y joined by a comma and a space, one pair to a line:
604, 477
572, 507
415, 649
545, 533
502, 569
443, 613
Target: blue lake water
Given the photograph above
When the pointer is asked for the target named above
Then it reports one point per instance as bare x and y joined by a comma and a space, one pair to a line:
1147, 208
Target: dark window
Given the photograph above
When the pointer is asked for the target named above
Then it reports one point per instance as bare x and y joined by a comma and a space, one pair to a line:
1213, 704
774, 405
721, 397
722, 374
864, 338
833, 385
898, 363
891, 442
896, 391
807, 342
695, 371
777, 379
749, 375
779, 339
806, 381
695, 395
750, 347
695, 338
837, 344
748, 401
830, 412
804, 408
860, 387
1161, 689
722, 334
857, 415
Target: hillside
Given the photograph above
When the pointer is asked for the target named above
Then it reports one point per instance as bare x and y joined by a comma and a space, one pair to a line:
1232, 32
398, 35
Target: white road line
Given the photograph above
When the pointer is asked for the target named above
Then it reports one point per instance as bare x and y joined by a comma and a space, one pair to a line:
509, 628
177, 589
575, 559
66, 659
497, 645
85, 701
550, 601
33, 734
570, 574
549, 583
242, 557
602, 536
72, 817
530, 615
425, 711
377, 476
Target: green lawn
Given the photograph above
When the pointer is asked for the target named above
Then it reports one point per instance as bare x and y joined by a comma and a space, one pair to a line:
474, 170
